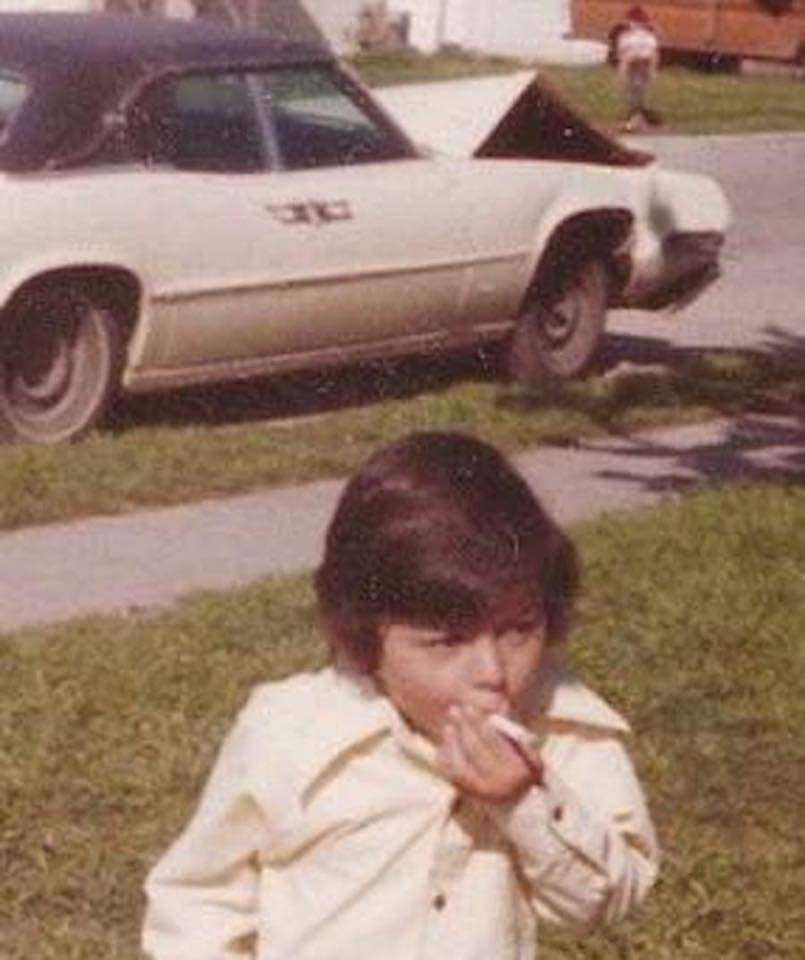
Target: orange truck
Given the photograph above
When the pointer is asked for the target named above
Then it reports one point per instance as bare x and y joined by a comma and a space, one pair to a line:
728, 29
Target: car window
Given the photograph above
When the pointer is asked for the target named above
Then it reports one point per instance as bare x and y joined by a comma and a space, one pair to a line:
13, 90
319, 121
200, 121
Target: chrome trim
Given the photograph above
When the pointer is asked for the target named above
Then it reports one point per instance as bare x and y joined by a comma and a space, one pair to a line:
168, 296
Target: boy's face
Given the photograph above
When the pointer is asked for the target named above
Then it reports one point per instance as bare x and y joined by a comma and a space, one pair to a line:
490, 667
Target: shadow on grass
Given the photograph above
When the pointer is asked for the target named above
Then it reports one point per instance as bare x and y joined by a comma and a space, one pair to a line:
641, 382
641, 374
752, 449
301, 395
758, 397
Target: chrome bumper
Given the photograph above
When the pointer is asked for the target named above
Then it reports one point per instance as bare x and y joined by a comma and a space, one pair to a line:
689, 263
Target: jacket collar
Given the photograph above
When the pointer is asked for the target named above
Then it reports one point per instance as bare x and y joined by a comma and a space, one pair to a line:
358, 713
355, 714
562, 698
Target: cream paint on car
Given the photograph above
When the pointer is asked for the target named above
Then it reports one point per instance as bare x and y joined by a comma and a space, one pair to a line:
374, 274
218, 248
331, 257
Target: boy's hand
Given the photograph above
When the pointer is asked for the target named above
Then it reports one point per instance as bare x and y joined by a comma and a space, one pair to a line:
485, 763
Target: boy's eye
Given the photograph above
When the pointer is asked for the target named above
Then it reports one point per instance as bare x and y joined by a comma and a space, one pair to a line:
521, 629
441, 641
449, 640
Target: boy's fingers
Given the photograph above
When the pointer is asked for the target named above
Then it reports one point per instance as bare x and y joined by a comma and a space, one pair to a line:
476, 741
455, 760
489, 753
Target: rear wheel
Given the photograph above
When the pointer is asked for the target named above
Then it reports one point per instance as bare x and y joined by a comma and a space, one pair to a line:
60, 360
559, 332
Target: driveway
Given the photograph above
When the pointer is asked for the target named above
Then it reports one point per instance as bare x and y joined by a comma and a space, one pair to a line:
759, 302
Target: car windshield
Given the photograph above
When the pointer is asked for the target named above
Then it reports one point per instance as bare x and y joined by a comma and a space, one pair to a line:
13, 90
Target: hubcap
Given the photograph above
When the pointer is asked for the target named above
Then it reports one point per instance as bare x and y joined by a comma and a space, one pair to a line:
40, 366
560, 320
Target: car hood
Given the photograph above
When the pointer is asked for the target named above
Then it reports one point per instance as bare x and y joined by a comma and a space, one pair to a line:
516, 115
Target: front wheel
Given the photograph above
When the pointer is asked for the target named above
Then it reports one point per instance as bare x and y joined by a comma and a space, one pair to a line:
60, 358
559, 333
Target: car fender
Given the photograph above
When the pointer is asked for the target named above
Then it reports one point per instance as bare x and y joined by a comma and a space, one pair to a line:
142, 348
571, 215
689, 203
39, 265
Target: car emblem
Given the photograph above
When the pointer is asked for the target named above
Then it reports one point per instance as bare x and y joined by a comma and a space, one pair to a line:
311, 212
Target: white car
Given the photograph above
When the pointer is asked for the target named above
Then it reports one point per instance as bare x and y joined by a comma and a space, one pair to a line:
186, 203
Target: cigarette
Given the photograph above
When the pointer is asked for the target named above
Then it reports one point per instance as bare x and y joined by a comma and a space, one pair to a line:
512, 730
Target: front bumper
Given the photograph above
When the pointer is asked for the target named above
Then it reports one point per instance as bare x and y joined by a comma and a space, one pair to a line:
687, 264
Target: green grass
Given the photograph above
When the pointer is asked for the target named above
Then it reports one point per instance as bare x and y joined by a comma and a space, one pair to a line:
385, 69
692, 623
691, 101
167, 450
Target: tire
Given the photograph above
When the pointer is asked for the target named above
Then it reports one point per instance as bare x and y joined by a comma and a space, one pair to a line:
60, 361
559, 334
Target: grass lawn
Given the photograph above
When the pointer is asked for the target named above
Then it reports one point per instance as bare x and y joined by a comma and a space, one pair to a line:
691, 101
171, 449
692, 623
385, 69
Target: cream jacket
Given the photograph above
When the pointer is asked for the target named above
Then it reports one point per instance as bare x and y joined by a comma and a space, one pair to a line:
326, 833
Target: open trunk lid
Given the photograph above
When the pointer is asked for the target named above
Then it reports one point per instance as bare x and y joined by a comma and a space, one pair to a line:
516, 115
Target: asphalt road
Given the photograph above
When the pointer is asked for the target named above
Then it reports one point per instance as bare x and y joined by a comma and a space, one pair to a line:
153, 557
759, 302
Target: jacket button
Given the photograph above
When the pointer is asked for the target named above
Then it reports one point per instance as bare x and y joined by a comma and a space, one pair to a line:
439, 901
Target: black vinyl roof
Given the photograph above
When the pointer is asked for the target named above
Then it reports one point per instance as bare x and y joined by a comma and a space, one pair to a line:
37, 41
81, 65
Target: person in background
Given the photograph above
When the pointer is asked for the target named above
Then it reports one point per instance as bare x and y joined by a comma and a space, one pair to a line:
636, 52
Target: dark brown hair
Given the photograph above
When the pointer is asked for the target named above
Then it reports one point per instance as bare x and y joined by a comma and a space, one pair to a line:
433, 531
637, 15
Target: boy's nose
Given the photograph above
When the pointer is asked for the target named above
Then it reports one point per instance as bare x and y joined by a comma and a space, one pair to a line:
489, 666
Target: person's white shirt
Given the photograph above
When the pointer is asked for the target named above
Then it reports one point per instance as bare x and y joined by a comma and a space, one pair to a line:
325, 829
637, 43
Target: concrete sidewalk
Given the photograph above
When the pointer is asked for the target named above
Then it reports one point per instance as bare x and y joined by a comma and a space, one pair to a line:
154, 557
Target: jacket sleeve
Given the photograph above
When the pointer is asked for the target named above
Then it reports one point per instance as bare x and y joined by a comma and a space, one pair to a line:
202, 896
584, 840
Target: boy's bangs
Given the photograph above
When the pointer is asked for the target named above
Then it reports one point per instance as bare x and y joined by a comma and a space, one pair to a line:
462, 589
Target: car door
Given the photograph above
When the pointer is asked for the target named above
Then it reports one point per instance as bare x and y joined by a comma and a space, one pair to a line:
302, 227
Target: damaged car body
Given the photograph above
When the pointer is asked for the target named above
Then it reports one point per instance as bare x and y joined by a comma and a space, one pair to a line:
187, 203
684, 208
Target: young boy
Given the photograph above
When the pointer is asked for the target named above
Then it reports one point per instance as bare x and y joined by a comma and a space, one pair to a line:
637, 52
381, 807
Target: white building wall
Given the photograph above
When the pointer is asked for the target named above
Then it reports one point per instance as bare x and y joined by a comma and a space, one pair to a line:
515, 27
427, 21
338, 20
